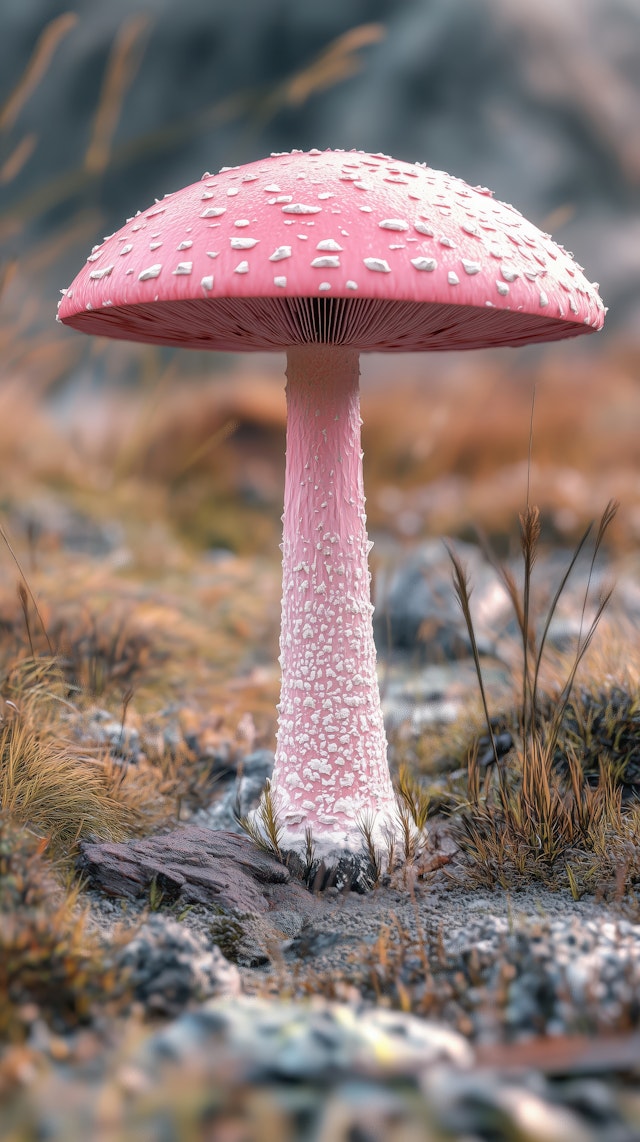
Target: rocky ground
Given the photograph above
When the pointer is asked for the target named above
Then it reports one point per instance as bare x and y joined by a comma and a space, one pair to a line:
431, 1007
273, 1052
297, 1029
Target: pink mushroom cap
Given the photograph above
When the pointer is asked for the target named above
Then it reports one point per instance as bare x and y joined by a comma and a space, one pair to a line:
403, 257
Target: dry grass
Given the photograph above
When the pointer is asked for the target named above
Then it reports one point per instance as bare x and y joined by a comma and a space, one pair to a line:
265, 830
51, 785
555, 801
51, 968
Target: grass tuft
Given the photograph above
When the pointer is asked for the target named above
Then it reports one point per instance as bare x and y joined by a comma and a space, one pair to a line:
554, 796
47, 783
366, 825
265, 831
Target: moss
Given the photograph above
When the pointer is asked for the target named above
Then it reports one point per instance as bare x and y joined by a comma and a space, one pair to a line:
227, 932
602, 727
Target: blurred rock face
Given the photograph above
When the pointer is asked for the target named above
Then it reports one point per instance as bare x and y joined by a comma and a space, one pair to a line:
538, 101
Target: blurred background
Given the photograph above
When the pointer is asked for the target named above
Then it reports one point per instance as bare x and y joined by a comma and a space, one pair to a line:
105, 106
141, 493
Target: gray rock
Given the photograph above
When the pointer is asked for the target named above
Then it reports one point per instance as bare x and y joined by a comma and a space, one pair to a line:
486, 1105
122, 741
238, 799
311, 1040
170, 966
190, 865
310, 942
417, 610
46, 517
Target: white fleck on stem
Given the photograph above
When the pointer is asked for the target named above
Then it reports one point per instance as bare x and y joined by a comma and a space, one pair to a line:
331, 766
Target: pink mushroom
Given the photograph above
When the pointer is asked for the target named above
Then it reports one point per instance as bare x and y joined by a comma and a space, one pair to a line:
327, 255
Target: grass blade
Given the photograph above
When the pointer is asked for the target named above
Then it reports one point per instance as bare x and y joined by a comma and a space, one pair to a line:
552, 610
463, 592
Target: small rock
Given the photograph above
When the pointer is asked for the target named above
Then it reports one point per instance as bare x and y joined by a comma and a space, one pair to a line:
170, 966
122, 741
312, 942
417, 610
487, 1105
312, 1040
242, 796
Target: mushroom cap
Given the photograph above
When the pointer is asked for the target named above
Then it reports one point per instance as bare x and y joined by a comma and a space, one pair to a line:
331, 247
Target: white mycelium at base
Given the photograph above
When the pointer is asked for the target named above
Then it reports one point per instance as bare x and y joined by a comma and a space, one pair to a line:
331, 770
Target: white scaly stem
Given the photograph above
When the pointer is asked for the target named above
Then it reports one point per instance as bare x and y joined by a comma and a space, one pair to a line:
331, 771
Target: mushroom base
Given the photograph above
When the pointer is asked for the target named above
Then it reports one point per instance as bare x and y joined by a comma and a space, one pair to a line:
383, 830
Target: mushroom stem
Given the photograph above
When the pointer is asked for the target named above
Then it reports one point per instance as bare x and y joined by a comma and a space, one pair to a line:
331, 771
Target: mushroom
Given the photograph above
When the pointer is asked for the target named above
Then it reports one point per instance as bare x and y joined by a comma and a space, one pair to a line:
327, 255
